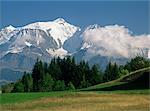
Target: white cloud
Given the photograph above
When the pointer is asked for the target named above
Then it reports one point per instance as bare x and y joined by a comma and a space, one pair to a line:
115, 40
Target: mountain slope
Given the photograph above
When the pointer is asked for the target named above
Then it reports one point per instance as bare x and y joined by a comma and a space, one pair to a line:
135, 80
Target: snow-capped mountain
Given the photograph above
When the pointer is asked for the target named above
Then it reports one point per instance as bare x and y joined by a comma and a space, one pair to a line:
59, 29
4, 34
21, 46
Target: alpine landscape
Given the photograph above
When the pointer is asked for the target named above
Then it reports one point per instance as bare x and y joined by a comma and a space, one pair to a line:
61, 62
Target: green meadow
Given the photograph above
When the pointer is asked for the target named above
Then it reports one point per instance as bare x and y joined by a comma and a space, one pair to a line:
129, 100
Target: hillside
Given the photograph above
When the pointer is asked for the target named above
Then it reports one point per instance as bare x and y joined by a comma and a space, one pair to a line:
135, 80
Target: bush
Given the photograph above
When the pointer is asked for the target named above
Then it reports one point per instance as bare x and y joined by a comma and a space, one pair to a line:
70, 86
18, 87
59, 86
123, 72
7, 88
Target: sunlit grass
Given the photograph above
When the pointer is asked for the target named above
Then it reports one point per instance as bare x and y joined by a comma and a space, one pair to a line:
80, 101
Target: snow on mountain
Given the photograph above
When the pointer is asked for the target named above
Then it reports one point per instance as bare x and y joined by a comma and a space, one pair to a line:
4, 33
112, 40
58, 52
10, 28
46, 35
28, 44
59, 29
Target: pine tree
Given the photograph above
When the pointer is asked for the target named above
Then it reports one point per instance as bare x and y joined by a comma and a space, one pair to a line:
107, 74
96, 75
27, 81
35, 75
115, 72
48, 83
111, 72
45, 67
38, 75
54, 70
41, 76
78, 77
84, 83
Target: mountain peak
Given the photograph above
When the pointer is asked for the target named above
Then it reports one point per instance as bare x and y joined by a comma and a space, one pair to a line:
59, 30
59, 20
95, 26
10, 27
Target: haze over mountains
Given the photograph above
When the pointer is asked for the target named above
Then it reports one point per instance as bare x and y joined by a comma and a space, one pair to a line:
21, 46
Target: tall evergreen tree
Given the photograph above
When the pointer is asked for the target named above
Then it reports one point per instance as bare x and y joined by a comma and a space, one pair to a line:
54, 70
45, 67
27, 81
115, 71
111, 72
107, 74
84, 72
41, 76
96, 75
35, 75
48, 83
38, 76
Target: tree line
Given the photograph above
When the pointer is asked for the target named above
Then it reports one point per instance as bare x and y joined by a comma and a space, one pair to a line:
66, 74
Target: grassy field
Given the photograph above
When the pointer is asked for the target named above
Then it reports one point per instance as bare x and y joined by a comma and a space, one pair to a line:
111, 96
134, 100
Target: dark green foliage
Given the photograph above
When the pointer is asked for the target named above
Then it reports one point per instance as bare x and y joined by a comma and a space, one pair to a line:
35, 75
83, 74
84, 83
95, 76
66, 74
123, 72
38, 74
59, 85
137, 63
18, 87
54, 69
70, 86
48, 83
111, 72
27, 82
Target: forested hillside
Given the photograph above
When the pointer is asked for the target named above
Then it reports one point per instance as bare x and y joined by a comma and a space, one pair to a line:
66, 74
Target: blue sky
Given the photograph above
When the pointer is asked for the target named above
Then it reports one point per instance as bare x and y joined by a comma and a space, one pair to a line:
133, 15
